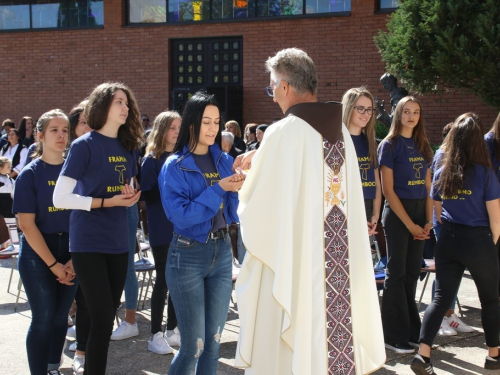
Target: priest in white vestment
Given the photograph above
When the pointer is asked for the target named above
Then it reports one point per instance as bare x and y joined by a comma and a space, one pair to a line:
306, 292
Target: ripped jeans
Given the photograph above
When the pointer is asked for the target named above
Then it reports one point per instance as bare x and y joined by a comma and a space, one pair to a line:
199, 277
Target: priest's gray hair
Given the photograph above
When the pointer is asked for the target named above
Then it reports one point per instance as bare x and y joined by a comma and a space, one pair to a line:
228, 137
294, 66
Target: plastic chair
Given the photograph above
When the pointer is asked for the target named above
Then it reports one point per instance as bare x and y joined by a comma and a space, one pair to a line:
145, 267
430, 267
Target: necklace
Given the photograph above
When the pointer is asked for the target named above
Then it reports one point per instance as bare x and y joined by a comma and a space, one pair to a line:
402, 138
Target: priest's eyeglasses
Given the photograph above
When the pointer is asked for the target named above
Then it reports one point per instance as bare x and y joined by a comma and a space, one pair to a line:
363, 110
269, 89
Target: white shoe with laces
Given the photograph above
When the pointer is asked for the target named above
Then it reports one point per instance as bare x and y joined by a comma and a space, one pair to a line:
78, 364
125, 331
71, 333
157, 344
459, 326
175, 339
445, 329
72, 347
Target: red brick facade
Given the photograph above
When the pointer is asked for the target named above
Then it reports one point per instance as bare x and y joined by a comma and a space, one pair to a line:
41, 70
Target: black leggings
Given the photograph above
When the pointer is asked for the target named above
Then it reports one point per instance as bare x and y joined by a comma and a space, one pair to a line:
159, 294
82, 322
102, 278
459, 247
400, 318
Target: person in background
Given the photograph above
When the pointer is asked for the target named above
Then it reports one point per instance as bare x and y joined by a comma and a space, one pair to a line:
404, 157
15, 151
6, 126
162, 140
233, 127
359, 117
227, 144
99, 164
466, 195
45, 247
250, 137
26, 132
259, 134
6, 188
198, 192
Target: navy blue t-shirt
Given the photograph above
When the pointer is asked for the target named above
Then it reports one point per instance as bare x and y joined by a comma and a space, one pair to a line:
33, 193
160, 228
490, 143
101, 166
408, 165
366, 169
468, 207
207, 166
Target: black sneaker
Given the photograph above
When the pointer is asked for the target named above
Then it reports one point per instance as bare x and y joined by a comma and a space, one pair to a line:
492, 363
401, 347
419, 366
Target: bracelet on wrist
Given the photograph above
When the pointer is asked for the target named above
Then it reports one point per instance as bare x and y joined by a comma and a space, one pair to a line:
53, 264
102, 203
428, 222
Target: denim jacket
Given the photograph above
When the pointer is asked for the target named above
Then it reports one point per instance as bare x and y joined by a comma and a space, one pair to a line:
189, 203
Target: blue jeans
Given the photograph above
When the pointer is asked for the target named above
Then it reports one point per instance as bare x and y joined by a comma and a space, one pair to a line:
131, 284
199, 276
50, 302
241, 247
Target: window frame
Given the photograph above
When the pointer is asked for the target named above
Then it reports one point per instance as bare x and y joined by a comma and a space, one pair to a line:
380, 10
230, 20
33, 29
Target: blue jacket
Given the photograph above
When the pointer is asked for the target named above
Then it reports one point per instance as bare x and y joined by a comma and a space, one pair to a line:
188, 202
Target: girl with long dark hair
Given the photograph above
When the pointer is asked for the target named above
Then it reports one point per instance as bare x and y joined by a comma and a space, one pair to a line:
198, 191
45, 247
466, 196
100, 165
404, 158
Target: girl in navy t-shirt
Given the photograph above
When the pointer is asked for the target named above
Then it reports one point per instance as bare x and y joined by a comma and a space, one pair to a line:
162, 140
404, 158
198, 192
466, 196
358, 116
45, 247
94, 182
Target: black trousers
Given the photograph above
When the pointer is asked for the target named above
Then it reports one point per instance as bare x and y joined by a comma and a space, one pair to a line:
459, 247
159, 294
400, 318
82, 321
102, 278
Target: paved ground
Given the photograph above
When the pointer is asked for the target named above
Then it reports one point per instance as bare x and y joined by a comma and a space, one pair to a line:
462, 354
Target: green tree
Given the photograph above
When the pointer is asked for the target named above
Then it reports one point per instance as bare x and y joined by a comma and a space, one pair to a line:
443, 45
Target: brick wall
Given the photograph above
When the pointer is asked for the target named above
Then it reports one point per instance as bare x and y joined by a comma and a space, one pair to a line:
49, 69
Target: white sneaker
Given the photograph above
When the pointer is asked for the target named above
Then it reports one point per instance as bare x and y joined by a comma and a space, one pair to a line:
72, 347
459, 326
70, 321
71, 333
175, 339
157, 344
445, 329
124, 331
78, 364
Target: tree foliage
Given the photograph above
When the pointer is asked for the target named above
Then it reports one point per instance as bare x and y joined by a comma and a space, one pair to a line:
442, 45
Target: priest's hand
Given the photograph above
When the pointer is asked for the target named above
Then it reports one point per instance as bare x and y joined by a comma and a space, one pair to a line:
244, 161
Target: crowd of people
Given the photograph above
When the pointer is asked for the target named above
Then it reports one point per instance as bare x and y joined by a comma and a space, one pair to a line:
74, 182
